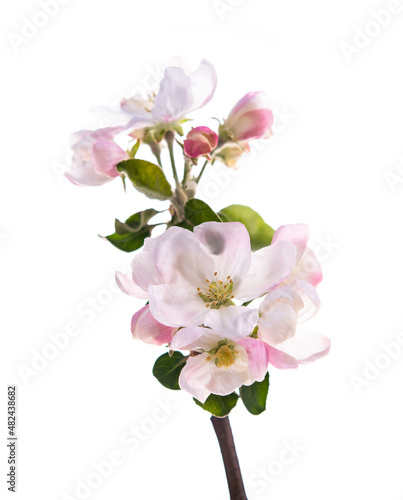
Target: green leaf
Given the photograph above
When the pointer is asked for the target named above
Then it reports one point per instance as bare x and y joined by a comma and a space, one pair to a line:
219, 406
254, 396
167, 369
135, 222
260, 233
197, 212
147, 178
135, 148
129, 242
130, 235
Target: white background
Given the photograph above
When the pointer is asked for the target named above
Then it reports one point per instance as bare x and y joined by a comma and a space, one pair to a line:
333, 163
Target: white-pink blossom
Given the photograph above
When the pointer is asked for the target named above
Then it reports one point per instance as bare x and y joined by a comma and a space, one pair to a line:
249, 119
95, 156
221, 361
279, 313
307, 267
179, 94
195, 278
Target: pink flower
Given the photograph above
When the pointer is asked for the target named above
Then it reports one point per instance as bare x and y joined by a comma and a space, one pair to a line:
200, 141
307, 267
226, 360
193, 279
179, 94
249, 119
146, 328
279, 314
95, 156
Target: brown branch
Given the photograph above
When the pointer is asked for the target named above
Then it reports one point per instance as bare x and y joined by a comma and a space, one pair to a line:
225, 438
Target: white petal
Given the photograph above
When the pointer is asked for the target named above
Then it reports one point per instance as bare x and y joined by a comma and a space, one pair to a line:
127, 285
180, 259
174, 98
195, 375
203, 84
233, 322
310, 299
195, 337
229, 245
175, 306
305, 347
270, 266
277, 324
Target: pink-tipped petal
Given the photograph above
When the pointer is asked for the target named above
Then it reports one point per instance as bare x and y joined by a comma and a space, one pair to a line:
146, 328
308, 268
297, 234
258, 357
302, 349
106, 155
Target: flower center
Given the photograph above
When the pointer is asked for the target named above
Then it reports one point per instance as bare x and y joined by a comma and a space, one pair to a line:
224, 354
218, 293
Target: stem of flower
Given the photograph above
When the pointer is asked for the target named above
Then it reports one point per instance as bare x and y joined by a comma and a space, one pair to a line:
170, 137
225, 438
201, 172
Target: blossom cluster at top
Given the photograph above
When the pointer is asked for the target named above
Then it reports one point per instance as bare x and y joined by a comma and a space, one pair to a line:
96, 153
197, 284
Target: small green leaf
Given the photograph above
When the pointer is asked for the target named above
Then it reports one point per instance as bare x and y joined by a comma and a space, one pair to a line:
135, 222
219, 406
130, 235
135, 148
168, 368
197, 212
254, 396
129, 242
260, 233
147, 178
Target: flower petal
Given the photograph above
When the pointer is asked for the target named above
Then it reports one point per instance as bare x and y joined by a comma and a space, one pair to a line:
179, 259
203, 84
228, 243
310, 299
233, 322
195, 375
174, 98
143, 268
175, 306
304, 348
270, 266
146, 328
194, 337
298, 234
258, 357
127, 285
308, 268
106, 155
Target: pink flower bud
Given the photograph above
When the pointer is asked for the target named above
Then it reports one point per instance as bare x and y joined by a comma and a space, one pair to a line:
249, 119
200, 141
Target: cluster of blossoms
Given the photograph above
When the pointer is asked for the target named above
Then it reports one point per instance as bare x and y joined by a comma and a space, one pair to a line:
197, 284
96, 153
232, 309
